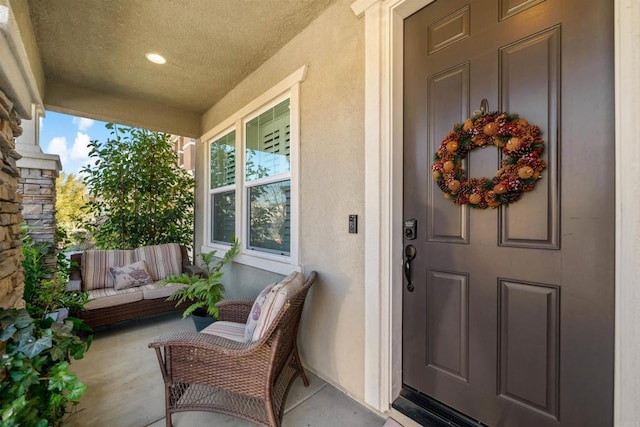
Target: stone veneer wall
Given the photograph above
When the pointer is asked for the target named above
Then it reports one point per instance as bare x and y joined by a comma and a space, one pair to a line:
11, 276
38, 190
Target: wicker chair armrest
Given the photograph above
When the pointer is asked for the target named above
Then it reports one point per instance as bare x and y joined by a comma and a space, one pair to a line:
206, 342
192, 270
236, 310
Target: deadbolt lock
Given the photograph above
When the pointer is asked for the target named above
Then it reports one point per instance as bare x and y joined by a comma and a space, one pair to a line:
410, 229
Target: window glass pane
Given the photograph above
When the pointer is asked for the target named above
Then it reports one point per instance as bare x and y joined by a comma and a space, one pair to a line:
270, 217
223, 161
268, 143
223, 220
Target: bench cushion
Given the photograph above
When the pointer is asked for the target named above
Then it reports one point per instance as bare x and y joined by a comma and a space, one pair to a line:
162, 260
109, 297
96, 264
155, 290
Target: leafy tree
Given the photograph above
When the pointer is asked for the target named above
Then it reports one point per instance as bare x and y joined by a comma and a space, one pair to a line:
138, 194
71, 198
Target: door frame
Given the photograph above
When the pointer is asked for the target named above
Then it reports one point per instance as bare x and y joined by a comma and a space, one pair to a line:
383, 202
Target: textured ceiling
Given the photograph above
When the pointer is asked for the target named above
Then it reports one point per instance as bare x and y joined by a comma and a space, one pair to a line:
210, 45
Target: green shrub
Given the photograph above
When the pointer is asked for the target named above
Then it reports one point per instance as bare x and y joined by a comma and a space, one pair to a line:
45, 287
138, 195
33, 264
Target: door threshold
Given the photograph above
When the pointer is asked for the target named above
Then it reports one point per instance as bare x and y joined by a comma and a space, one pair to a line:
429, 412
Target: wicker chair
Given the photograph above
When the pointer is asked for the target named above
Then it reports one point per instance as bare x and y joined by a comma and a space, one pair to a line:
204, 372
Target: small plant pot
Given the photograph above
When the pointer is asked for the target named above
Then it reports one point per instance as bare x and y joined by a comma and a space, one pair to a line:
201, 319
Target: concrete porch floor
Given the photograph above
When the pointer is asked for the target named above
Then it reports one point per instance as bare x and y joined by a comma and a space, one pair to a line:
125, 388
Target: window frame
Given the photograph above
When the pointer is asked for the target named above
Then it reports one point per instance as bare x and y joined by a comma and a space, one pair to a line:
289, 88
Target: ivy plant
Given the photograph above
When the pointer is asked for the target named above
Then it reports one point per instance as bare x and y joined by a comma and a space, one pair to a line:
36, 386
138, 194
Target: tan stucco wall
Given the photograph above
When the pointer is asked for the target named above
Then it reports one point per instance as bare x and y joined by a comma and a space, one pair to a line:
85, 102
20, 9
331, 184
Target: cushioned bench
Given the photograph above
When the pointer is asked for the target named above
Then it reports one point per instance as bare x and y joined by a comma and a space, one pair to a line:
123, 284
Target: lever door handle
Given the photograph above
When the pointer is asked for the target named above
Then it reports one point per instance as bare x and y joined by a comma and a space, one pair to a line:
407, 274
410, 254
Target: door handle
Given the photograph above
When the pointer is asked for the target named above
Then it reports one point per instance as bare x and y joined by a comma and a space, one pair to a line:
409, 255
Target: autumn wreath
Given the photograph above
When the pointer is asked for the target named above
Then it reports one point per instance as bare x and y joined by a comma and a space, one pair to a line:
521, 165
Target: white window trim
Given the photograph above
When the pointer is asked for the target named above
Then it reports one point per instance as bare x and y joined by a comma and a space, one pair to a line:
288, 88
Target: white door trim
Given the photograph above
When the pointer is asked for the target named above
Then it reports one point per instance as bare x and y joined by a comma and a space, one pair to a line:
383, 195
383, 203
627, 302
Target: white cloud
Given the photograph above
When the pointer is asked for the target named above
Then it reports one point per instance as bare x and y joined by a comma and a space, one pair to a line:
82, 123
80, 149
58, 145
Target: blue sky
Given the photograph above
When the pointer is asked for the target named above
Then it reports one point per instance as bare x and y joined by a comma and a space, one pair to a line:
68, 137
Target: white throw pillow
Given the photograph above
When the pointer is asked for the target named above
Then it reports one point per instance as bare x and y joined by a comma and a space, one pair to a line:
129, 276
256, 309
275, 301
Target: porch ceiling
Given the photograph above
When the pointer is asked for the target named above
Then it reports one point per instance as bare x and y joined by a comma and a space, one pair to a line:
210, 45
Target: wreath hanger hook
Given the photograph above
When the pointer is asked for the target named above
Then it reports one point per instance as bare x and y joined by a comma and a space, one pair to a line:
484, 106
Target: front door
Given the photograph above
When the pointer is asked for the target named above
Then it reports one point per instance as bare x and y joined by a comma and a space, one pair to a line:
511, 316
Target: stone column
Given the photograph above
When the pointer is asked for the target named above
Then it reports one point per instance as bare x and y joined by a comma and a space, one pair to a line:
11, 276
21, 81
37, 184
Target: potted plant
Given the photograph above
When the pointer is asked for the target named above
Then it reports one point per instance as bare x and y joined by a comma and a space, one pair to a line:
203, 291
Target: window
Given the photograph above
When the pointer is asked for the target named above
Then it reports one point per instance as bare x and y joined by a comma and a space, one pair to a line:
223, 197
267, 179
252, 189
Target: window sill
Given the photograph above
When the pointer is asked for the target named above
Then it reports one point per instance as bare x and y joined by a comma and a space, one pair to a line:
256, 259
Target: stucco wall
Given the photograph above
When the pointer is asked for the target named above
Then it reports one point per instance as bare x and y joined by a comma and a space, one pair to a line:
20, 10
67, 98
331, 185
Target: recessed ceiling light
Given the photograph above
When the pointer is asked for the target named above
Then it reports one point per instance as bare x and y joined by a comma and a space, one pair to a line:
156, 58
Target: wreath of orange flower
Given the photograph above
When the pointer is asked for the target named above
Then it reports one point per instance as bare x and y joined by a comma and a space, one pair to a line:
521, 165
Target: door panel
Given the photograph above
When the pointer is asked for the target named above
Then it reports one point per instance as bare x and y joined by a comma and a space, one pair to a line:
446, 222
511, 318
530, 74
448, 336
529, 334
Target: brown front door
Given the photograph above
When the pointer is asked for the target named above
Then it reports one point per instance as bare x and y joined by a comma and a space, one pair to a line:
511, 319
